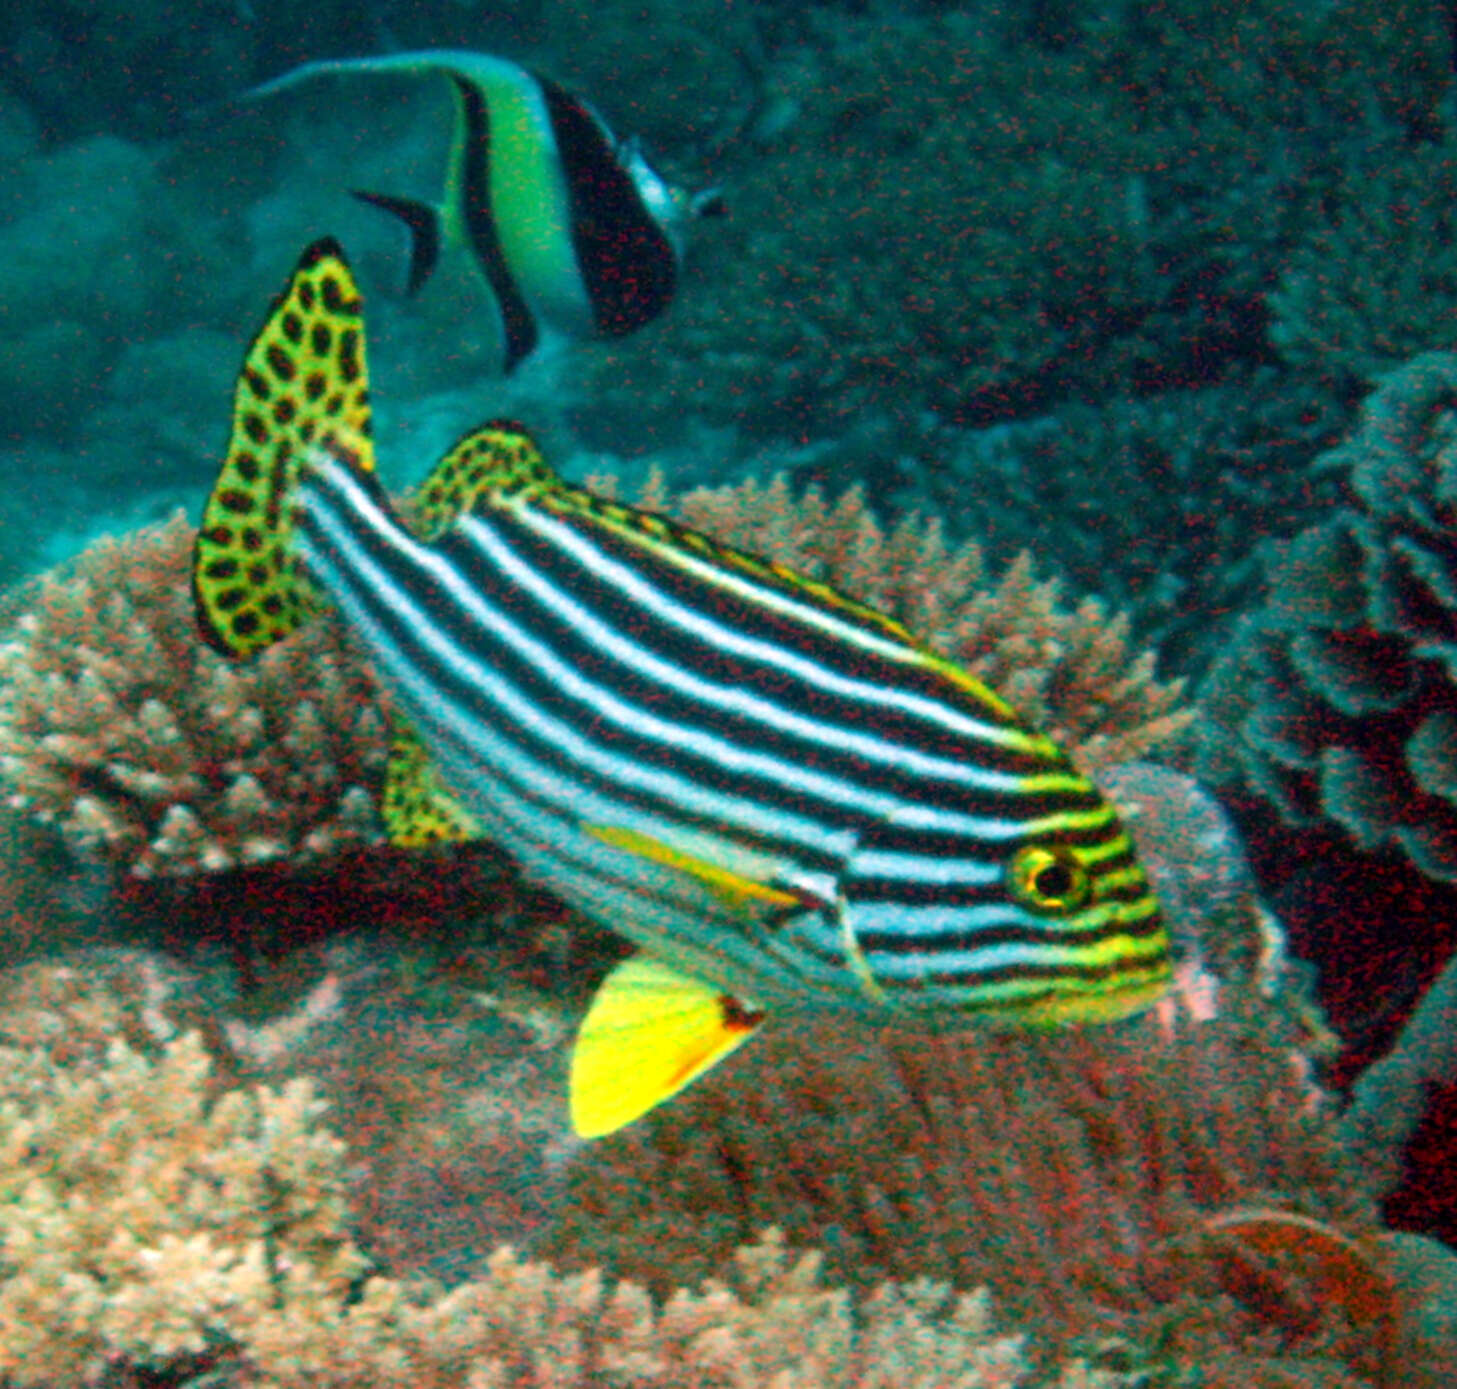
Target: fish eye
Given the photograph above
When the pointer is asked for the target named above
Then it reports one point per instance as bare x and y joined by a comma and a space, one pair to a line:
1049, 879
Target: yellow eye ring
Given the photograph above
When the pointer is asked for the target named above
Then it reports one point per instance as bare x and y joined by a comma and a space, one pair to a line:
1049, 878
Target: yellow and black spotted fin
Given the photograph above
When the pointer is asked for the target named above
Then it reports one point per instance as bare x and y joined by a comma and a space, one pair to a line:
417, 807
650, 1031
304, 386
500, 460
497, 459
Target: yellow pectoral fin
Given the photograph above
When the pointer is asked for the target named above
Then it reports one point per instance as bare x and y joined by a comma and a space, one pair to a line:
417, 807
736, 883
649, 1032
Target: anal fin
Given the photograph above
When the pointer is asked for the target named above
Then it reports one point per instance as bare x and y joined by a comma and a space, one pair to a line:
649, 1032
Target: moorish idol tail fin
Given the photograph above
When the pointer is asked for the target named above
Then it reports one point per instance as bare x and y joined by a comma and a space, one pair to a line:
304, 388
649, 1032
424, 224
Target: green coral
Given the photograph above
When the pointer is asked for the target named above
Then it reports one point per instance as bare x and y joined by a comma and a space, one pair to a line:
1336, 700
1376, 281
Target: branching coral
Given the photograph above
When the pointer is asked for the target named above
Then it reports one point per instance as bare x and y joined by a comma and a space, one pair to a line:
1165, 1196
148, 749
145, 1208
162, 1223
1337, 701
121, 727
1074, 1175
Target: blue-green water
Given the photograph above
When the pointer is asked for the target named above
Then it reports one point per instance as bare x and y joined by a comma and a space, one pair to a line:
1109, 283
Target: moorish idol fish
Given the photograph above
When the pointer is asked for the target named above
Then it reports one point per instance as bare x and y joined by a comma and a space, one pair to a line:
571, 229
779, 794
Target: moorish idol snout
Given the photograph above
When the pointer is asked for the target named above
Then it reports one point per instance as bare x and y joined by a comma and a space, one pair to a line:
572, 229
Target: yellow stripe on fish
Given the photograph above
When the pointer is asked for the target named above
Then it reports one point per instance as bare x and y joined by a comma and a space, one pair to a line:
781, 796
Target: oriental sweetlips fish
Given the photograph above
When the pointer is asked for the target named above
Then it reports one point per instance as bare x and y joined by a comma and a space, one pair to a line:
572, 230
781, 796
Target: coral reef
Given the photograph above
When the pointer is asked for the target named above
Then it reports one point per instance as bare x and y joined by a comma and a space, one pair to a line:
164, 1224
1203, 479
148, 750
1375, 282
1142, 1203
1110, 218
1335, 700
146, 1207
1391, 1095
1080, 1176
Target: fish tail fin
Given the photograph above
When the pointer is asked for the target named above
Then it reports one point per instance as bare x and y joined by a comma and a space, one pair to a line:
303, 388
425, 235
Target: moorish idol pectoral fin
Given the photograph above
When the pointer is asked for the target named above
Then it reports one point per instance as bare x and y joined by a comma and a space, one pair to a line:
649, 1032
417, 807
496, 458
423, 222
736, 878
304, 387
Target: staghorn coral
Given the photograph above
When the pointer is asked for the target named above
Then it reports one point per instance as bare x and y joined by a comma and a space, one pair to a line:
118, 725
1162, 1199
162, 1224
145, 1205
149, 750
1337, 700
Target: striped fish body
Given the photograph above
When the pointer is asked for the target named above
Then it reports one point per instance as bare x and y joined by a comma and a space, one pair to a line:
572, 231
774, 790
595, 685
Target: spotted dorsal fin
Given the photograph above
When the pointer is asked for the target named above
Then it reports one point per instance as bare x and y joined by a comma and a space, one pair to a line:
304, 386
495, 460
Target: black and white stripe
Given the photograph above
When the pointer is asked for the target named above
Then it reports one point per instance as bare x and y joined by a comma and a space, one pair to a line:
566, 673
